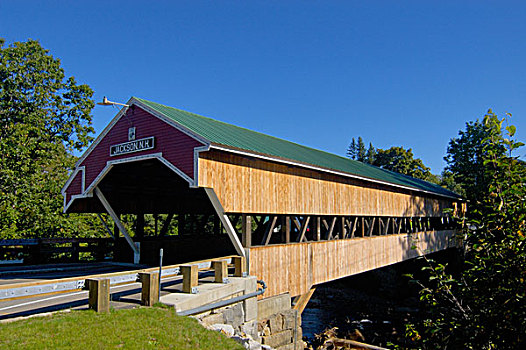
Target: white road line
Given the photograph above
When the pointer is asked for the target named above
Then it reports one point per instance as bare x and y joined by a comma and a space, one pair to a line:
41, 300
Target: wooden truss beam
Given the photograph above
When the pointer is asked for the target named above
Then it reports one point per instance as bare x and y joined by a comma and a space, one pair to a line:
369, 222
297, 223
115, 217
363, 227
225, 221
318, 228
354, 227
301, 301
286, 227
303, 229
331, 230
269, 230
246, 230
106, 226
166, 224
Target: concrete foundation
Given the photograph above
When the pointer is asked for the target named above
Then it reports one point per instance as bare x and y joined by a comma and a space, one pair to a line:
268, 323
278, 324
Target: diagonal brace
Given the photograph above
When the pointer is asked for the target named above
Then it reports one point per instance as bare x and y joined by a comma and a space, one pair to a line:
106, 226
230, 230
109, 209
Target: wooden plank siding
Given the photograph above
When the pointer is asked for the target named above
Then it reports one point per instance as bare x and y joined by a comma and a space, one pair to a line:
295, 268
75, 187
250, 185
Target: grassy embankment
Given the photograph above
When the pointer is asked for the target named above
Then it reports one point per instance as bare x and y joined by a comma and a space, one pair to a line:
142, 328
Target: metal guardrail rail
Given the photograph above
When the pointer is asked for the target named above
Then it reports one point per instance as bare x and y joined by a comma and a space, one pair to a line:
73, 284
18, 242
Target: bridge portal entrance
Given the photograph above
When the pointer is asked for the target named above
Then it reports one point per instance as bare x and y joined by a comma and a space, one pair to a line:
157, 209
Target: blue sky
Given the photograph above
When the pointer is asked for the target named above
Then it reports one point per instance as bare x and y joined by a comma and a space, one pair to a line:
404, 73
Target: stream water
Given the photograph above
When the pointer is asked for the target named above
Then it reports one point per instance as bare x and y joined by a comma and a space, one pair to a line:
378, 304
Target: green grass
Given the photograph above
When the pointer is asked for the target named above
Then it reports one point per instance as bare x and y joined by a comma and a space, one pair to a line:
142, 328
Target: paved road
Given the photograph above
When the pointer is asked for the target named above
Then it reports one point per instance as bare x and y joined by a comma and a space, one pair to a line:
121, 296
35, 273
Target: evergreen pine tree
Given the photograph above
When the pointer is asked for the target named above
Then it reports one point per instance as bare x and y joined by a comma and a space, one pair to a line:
361, 152
352, 150
371, 154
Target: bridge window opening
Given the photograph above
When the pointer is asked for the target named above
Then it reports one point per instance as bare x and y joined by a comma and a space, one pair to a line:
282, 229
162, 225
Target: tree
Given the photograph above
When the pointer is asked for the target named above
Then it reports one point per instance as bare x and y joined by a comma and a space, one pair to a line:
352, 151
371, 154
360, 150
484, 307
465, 160
447, 180
44, 116
357, 151
401, 161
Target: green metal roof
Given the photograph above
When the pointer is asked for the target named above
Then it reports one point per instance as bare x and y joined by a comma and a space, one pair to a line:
232, 136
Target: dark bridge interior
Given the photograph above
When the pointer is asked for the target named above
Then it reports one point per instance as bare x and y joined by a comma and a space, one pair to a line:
146, 187
186, 224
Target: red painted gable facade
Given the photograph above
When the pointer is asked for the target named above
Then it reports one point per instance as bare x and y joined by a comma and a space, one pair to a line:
173, 147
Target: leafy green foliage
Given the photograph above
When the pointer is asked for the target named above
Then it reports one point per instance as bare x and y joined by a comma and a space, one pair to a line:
44, 116
402, 161
447, 180
465, 161
484, 307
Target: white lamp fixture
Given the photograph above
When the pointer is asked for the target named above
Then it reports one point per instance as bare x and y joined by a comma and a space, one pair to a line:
106, 102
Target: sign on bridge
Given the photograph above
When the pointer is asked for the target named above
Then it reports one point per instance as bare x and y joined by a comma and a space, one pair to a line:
132, 146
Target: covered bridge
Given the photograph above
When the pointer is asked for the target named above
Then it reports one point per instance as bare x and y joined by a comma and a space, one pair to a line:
299, 215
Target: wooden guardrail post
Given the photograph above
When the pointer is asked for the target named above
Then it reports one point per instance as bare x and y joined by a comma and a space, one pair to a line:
75, 251
99, 294
240, 265
190, 276
221, 271
150, 288
35, 254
